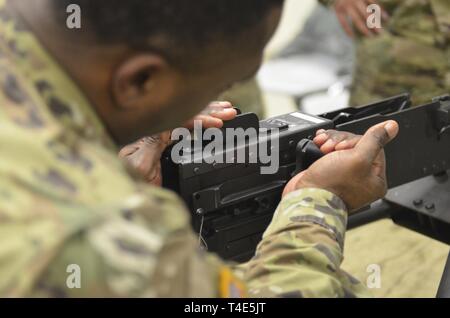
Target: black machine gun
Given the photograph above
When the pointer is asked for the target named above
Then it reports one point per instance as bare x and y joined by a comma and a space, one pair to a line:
233, 203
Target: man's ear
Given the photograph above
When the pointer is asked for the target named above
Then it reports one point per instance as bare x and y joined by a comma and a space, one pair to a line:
144, 80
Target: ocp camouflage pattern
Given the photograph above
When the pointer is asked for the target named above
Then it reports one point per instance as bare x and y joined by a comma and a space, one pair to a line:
412, 54
66, 199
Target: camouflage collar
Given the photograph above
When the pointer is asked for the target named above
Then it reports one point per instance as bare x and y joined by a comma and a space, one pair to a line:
60, 95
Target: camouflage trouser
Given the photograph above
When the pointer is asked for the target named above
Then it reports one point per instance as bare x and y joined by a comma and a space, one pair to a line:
388, 65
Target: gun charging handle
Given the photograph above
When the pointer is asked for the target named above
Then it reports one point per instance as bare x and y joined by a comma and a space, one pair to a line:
307, 153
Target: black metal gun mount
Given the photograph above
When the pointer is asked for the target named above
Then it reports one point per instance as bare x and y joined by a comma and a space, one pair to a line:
232, 204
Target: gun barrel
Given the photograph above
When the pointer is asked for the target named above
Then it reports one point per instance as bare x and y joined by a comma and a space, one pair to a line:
377, 211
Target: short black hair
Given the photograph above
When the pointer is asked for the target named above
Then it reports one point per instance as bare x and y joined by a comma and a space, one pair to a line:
186, 23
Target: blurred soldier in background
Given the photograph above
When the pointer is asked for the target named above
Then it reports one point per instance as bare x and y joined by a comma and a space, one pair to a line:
409, 54
69, 97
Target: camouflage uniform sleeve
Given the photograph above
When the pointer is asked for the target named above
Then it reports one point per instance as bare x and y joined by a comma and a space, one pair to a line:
302, 250
130, 255
119, 258
133, 254
143, 251
139, 246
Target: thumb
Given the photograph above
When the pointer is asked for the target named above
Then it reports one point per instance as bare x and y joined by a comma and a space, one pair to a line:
376, 138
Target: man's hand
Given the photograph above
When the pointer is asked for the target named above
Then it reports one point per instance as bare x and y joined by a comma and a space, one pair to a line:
354, 168
214, 115
355, 12
144, 156
333, 140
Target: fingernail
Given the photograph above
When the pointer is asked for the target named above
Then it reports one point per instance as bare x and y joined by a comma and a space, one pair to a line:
320, 132
224, 111
391, 127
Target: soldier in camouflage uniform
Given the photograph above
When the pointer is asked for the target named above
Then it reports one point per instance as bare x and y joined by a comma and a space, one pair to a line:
410, 54
65, 197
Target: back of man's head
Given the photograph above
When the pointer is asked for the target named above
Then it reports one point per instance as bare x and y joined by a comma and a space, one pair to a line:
187, 24
155, 63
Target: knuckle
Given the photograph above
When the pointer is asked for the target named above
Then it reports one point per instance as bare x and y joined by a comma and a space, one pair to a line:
337, 136
381, 137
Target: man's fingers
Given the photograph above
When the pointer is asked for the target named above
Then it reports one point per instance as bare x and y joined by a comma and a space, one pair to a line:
224, 114
328, 140
214, 115
220, 104
332, 142
209, 121
348, 144
359, 21
376, 138
216, 107
221, 110
206, 120
342, 17
320, 132
321, 138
